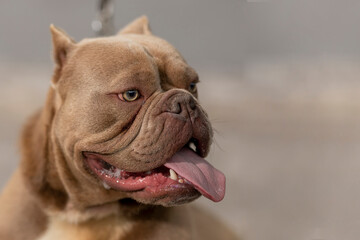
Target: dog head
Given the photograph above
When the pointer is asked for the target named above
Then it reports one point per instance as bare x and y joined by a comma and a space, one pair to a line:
122, 121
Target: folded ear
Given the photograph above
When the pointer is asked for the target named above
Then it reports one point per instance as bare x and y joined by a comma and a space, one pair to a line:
138, 26
62, 45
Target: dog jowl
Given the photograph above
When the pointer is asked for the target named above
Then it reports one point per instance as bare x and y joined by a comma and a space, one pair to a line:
121, 121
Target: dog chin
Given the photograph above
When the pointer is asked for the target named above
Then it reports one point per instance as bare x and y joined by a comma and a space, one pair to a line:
168, 199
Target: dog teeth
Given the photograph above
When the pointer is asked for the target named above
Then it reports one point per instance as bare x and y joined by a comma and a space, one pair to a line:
173, 175
107, 187
117, 173
181, 180
192, 146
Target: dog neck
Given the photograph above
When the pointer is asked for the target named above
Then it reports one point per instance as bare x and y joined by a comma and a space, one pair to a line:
153, 223
125, 209
110, 227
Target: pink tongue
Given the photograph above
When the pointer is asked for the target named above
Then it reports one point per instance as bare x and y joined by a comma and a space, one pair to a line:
209, 181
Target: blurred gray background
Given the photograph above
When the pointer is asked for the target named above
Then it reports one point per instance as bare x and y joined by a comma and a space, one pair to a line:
279, 79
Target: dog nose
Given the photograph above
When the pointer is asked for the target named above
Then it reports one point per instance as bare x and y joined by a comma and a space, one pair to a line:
180, 104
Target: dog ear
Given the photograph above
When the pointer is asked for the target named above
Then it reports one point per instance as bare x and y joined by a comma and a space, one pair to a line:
138, 26
62, 45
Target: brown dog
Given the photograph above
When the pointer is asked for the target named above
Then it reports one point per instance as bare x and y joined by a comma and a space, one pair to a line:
109, 157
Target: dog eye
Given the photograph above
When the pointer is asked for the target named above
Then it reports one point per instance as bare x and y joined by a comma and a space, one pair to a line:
130, 95
192, 87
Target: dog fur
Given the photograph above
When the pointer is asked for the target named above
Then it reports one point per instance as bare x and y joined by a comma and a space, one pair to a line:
53, 196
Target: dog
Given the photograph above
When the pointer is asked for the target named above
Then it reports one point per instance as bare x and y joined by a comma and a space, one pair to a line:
117, 149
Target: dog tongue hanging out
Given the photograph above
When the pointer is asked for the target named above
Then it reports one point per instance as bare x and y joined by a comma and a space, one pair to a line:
118, 147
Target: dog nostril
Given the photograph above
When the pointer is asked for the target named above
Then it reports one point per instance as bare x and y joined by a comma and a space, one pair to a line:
178, 108
175, 108
192, 104
178, 104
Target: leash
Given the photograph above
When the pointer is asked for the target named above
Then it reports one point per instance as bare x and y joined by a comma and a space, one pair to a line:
103, 25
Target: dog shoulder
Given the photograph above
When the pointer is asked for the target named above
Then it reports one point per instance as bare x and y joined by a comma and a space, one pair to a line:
20, 215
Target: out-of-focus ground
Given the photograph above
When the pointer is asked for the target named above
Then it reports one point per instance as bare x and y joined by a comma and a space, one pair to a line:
287, 135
